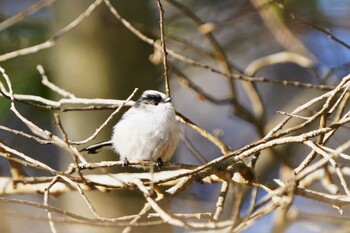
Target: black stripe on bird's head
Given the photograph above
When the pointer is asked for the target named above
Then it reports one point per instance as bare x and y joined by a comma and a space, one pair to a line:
153, 97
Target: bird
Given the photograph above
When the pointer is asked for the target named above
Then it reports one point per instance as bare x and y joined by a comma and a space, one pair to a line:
148, 131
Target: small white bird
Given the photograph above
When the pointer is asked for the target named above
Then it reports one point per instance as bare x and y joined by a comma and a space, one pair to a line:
147, 131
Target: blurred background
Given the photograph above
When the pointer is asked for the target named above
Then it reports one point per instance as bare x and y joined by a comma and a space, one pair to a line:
100, 58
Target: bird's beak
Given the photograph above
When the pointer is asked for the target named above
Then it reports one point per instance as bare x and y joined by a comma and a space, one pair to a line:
167, 100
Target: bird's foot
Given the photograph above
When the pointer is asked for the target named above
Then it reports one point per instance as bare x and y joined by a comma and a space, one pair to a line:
160, 163
125, 162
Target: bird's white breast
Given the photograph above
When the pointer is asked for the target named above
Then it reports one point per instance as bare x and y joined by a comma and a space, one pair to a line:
147, 134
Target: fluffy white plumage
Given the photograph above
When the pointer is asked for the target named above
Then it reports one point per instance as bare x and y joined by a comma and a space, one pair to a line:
147, 131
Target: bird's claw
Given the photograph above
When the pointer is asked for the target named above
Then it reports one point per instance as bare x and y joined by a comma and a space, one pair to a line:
160, 163
125, 162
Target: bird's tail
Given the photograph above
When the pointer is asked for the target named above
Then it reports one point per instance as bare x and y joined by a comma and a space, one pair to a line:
93, 149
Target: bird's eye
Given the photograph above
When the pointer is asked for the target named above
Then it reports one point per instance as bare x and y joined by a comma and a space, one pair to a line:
155, 103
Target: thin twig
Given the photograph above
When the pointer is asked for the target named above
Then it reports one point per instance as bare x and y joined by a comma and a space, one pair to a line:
99, 129
45, 81
52, 41
216, 141
221, 200
165, 54
25, 13
318, 28
46, 203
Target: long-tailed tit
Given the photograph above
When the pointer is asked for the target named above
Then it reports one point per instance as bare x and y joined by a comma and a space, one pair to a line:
147, 131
